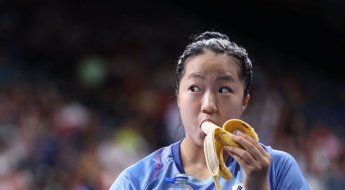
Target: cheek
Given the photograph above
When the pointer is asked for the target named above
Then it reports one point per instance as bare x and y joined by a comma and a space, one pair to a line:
233, 108
186, 103
188, 109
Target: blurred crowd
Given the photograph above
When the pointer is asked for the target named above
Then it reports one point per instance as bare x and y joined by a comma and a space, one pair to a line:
83, 96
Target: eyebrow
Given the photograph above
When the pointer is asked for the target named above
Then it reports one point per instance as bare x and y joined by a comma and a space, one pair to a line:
196, 75
226, 77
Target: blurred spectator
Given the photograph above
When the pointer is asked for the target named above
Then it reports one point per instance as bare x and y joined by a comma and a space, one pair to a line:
85, 91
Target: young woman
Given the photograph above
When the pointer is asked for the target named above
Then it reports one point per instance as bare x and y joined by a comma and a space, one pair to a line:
213, 78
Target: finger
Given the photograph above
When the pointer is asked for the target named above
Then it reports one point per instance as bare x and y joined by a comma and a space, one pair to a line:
249, 145
241, 155
254, 142
250, 166
239, 160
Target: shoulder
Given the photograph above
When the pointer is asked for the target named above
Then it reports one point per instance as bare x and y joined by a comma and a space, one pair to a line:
138, 175
285, 172
281, 159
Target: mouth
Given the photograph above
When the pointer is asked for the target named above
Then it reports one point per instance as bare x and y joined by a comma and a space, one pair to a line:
207, 120
207, 126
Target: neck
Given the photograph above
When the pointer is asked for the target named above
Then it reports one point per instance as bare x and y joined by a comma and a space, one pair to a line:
193, 159
190, 152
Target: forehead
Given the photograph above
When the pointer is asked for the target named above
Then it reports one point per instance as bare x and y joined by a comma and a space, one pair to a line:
210, 62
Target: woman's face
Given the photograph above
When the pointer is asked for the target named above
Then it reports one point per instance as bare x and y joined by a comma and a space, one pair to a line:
211, 90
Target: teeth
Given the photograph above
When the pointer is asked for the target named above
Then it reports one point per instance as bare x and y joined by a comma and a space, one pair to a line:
216, 138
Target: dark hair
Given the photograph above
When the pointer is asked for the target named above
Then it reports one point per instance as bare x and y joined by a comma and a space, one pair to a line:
218, 43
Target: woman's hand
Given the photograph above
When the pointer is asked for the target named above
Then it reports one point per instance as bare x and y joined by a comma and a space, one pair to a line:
254, 161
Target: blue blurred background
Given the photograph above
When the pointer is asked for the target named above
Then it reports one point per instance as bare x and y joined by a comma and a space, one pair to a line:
87, 87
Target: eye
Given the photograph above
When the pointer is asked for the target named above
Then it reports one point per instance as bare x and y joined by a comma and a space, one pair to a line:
224, 90
194, 88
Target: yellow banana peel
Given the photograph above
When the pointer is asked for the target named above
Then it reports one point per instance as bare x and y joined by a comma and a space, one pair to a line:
218, 137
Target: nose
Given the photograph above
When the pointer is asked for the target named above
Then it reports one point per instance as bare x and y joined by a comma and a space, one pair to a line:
209, 105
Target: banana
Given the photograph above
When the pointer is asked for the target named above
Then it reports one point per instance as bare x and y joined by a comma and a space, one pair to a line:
216, 138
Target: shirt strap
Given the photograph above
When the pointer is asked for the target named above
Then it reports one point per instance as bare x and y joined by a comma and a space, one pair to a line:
176, 156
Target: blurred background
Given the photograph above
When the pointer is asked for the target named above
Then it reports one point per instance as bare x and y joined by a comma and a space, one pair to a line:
87, 87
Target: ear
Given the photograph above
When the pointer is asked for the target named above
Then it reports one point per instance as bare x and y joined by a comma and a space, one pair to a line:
245, 102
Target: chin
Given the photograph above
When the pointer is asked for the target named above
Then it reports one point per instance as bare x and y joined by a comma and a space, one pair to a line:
200, 142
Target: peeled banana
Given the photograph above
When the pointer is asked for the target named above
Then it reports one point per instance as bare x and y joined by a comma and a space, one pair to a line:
216, 138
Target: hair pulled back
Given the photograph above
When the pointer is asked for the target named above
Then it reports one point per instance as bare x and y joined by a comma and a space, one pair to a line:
217, 43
